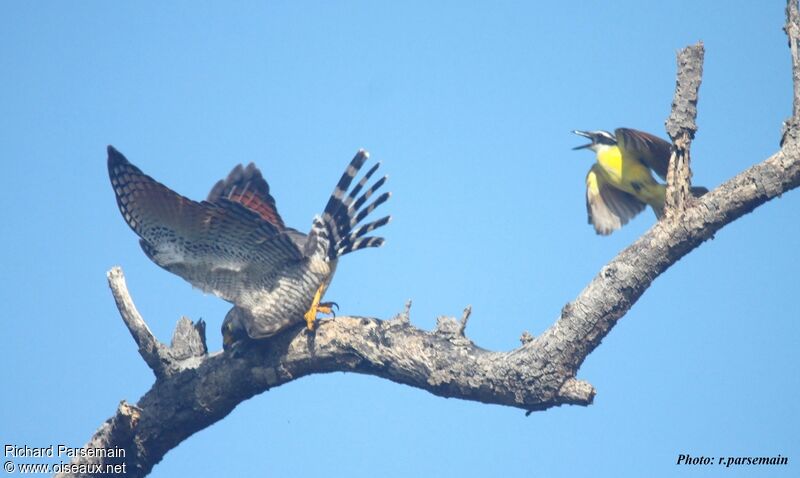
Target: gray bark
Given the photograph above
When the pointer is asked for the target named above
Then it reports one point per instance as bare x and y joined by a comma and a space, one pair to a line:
194, 389
681, 128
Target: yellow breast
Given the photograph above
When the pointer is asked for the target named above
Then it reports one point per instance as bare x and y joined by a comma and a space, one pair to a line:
628, 174
610, 159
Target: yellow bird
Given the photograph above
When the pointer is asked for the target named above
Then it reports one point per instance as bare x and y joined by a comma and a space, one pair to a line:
621, 183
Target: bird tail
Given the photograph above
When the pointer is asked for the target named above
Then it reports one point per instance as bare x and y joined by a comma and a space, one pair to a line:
339, 224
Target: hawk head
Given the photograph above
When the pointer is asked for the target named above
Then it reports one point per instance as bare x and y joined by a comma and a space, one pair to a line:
233, 328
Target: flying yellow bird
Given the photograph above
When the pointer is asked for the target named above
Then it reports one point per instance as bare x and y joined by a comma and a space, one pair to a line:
621, 183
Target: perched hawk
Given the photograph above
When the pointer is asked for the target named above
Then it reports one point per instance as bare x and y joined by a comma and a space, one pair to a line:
620, 184
236, 246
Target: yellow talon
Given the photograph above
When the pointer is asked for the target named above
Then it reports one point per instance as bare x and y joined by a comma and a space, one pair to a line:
318, 307
311, 315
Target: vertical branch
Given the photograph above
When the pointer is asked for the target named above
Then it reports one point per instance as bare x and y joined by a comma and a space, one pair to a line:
151, 350
681, 127
188, 342
792, 30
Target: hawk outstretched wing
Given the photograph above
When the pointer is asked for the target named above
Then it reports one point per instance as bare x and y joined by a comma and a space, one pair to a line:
216, 246
236, 245
246, 186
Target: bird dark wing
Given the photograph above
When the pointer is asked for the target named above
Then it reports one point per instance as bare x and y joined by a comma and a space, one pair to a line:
217, 246
248, 187
608, 207
651, 150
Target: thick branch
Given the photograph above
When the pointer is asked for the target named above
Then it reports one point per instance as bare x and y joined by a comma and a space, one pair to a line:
443, 362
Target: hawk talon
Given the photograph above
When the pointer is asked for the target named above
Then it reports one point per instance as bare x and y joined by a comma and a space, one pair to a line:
318, 307
327, 308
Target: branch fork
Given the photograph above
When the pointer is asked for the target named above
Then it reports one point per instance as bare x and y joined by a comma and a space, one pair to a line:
188, 345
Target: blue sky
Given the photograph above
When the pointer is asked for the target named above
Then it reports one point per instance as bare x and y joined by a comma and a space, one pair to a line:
470, 106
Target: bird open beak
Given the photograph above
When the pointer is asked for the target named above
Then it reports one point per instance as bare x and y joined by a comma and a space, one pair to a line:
585, 134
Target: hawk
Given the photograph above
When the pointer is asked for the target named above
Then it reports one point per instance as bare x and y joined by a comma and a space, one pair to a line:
236, 246
621, 184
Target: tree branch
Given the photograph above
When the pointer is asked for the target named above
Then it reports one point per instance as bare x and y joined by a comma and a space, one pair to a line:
791, 127
193, 389
792, 30
622, 281
152, 351
443, 362
188, 341
681, 128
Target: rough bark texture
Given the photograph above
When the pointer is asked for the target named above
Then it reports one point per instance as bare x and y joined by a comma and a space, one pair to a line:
681, 127
792, 29
194, 389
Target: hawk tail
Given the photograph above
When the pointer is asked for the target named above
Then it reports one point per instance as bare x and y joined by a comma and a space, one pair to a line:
344, 212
